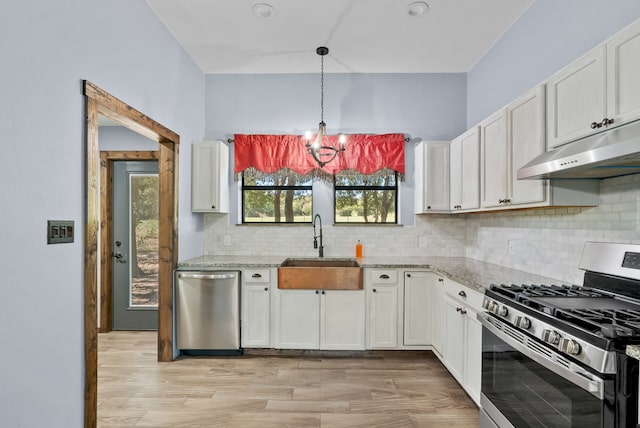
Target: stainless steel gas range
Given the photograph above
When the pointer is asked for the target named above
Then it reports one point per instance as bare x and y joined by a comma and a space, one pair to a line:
554, 355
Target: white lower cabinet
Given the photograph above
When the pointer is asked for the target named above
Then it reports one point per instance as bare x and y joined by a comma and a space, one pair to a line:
256, 307
417, 301
398, 309
319, 319
462, 353
342, 319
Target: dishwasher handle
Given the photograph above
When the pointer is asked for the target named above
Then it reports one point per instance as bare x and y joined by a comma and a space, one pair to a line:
193, 275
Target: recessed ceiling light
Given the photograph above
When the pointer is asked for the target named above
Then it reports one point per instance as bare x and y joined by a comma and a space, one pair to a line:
263, 10
417, 8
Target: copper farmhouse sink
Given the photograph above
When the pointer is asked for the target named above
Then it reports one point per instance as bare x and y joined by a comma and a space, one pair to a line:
320, 274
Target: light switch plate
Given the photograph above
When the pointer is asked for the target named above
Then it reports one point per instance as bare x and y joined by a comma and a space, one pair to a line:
60, 231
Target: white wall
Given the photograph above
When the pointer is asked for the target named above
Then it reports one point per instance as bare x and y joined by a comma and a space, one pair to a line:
47, 48
427, 106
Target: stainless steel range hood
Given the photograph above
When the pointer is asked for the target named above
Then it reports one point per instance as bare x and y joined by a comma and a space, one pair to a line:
607, 154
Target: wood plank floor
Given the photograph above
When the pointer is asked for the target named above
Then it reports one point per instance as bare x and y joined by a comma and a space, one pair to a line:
283, 389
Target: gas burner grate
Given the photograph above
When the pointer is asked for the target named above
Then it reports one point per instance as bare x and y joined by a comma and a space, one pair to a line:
609, 323
516, 292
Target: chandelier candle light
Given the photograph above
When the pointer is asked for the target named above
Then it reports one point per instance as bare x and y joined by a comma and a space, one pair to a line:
321, 152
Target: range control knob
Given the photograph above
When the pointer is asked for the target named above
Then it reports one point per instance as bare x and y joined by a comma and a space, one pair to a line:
570, 346
486, 304
499, 310
551, 337
523, 322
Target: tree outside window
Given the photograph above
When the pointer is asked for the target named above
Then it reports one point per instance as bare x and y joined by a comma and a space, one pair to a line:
282, 198
366, 198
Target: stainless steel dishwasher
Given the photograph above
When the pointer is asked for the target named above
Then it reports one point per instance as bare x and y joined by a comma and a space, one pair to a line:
208, 311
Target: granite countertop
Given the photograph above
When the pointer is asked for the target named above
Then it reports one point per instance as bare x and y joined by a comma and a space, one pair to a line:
472, 273
633, 351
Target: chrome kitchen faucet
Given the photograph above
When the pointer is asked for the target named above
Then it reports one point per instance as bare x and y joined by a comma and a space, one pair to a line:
315, 237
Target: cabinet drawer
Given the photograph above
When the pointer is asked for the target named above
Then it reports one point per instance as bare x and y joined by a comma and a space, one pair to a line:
464, 294
256, 276
383, 276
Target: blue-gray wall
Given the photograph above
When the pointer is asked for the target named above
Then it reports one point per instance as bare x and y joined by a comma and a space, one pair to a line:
548, 36
47, 49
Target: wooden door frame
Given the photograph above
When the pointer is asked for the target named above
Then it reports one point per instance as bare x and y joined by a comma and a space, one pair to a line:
99, 101
107, 158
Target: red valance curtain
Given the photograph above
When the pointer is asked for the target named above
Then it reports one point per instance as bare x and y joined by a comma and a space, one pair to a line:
364, 154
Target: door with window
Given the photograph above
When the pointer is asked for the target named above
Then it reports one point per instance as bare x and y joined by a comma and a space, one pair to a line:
135, 245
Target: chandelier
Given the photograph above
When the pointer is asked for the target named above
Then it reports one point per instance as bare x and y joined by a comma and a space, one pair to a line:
321, 149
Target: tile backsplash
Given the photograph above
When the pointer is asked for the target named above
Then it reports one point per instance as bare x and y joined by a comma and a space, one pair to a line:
441, 235
549, 241
543, 241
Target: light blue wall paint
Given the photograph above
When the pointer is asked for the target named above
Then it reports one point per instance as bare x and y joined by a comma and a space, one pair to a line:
47, 48
427, 106
549, 35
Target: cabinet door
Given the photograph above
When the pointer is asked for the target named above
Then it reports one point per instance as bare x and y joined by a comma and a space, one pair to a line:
297, 319
495, 167
256, 316
576, 98
209, 177
437, 176
623, 69
470, 189
417, 300
432, 176
454, 339
383, 316
437, 313
473, 355
526, 134
342, 319
465, 171
455, 175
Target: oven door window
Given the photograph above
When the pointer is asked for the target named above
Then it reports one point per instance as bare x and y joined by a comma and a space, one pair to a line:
529, 395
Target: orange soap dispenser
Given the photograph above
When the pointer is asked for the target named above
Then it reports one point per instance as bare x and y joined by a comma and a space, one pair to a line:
358, 250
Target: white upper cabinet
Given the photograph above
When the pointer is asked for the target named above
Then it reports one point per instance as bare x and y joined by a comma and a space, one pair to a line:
465, 171
432, 177
576, 99
526, 136
623, 69
210, 177
598, 91
495, 153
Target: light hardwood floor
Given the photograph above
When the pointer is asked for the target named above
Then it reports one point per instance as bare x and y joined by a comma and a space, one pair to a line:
303, 389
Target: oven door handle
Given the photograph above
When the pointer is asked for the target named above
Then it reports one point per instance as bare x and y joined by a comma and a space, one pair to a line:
574, 373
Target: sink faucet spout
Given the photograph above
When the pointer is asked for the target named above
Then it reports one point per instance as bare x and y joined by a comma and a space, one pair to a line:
315, 236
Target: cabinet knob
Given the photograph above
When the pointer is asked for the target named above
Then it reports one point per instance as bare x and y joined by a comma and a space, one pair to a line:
408, 275
462, 293
384, 276
374, 290
323, 292
213, 207
428, 207
256, 275
595, 125
440, 279
463, 311
266, 288
317, 291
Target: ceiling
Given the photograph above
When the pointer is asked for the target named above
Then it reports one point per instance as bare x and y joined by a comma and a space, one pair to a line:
363, 36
